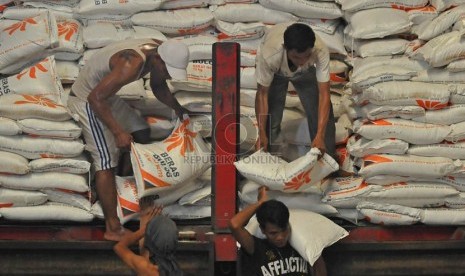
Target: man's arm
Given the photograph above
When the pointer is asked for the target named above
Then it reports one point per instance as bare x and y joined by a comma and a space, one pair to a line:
319, 267
261, 113
162, 92
239, 221
324, 104
126, 66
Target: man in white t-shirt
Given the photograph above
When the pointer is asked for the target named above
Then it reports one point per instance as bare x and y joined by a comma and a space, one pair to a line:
293, 53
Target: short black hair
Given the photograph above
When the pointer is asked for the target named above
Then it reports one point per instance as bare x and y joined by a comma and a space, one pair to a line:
299, 37
274, 212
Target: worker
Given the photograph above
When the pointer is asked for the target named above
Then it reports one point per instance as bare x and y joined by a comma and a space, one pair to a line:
108, 123
157, 237
259, 256
293, 53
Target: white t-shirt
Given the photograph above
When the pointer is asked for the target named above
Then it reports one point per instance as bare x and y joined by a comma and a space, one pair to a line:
272, 57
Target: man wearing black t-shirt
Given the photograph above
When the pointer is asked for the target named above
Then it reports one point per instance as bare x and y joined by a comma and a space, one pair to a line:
273, 255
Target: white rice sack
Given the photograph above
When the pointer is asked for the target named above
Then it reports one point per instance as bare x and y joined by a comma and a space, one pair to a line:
170, 195
307, 9
37, 147
38, 181
380, 75
203, 125
402, 93
9, 127
363, 66
277, 174
103, 33
241, 13
311, 233
420, 15
385, 179
306, 201
71, 198
411, 165
359, 146
12, 163
328, 26
181, 212
19, 198
451, 150
379, 22
117, 7
439, 75
389, 214
449, 115
440, 24
239, 31
199, 197
50, 129
176, 22
128, 199
407, 130
63, 165
334, 41
68, 71
184, 4
19, 106
71, 44
378, 47
443, 216
48, 211
456, 202
250, 46
457, 133
441, 50
421, 202
356, 5
27, 42
132, 91
376, 112
347, 192
456, 66
200, 46
194, 101
442, 5
182, 156
413, 190
39, 79
456, 182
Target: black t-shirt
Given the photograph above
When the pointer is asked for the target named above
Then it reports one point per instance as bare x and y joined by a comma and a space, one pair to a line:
268, 260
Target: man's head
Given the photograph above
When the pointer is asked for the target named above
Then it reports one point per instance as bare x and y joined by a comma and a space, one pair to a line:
299, 40
273, 218
161, 239
175, 54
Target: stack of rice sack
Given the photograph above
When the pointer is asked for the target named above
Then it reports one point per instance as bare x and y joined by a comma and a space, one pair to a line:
43, 174
407, 103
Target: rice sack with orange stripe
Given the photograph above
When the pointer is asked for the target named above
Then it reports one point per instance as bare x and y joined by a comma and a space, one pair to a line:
39, 79
408, 165
300, 175
18, 198
20, 106
406, 93
182, 156
128, 199
27, 42
389, 214
407, 130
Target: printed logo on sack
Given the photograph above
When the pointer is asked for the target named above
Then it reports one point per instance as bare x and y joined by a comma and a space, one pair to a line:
32, 70
431, 104
378, 123
182, 137
298, 181
67, 29
21, 26
39, 100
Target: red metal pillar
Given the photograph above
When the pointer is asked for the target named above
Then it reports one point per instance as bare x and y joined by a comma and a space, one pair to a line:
226, 85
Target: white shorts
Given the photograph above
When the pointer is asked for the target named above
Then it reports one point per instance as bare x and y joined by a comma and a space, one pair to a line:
100, 142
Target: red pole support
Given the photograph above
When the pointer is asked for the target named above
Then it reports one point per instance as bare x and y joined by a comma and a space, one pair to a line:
225, 144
